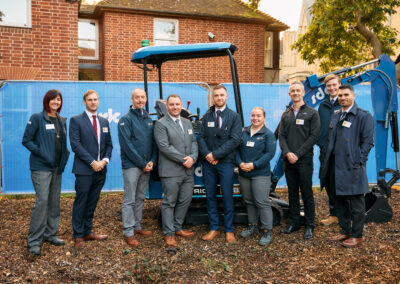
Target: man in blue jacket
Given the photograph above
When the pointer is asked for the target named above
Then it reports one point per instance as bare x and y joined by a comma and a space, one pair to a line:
326, 110
90, 139
351, 137
219, 137
138, 157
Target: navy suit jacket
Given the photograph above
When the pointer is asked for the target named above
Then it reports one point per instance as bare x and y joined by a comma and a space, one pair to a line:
84, 143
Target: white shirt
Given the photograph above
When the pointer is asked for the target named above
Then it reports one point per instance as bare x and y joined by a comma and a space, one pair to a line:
344, 112
90, 115
220, 117
332, 99
180, 121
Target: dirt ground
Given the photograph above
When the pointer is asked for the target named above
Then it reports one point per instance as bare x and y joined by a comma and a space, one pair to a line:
289, 259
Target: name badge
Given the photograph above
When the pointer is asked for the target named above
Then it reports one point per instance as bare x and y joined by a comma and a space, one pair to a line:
300, 121
346, 124
150, 123
190, 131
211, 124
250, 144
49, 126
105, 129
337, 111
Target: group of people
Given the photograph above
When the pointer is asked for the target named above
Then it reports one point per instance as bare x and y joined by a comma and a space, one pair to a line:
170, 146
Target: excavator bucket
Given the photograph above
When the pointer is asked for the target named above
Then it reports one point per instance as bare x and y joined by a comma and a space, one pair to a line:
377, 208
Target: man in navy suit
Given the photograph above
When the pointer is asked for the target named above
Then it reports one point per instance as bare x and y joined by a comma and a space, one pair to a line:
90, 139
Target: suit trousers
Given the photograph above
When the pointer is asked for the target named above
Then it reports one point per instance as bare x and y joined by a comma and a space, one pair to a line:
348, 209
178, 192
136, 183
222, 173
88, 188
45, 216
299, 176
330, 187
255, 192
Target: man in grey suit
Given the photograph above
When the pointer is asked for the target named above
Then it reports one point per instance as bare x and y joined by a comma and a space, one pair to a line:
177, 154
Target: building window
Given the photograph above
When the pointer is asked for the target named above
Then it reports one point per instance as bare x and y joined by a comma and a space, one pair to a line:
16, 13
88, 39
165, 32
268, 50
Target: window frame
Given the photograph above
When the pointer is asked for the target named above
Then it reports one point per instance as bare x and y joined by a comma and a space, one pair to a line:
96, 24
271, 49
175, 21
28, 18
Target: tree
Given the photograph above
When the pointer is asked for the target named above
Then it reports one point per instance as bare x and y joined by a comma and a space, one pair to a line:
253, 4
1, 16
346, 32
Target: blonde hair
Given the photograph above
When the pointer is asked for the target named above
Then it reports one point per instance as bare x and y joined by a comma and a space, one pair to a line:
259, 108
88, 92
331, 77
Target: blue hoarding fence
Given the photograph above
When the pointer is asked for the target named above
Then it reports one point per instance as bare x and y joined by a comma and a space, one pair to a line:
20, 99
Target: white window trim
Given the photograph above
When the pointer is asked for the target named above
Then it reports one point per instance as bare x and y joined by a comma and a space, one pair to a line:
96, 24
271, 50
170, 20
28, 18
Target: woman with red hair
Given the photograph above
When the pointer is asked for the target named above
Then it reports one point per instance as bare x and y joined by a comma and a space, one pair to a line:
46, 138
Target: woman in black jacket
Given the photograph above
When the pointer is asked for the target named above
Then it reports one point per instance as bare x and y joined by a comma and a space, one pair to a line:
256, 151
45, 137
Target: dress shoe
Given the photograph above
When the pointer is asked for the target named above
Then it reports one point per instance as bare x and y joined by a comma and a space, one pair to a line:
170, 241
55, 242
35, 250
143, 232
266, 238
338, 238
352, 242
132, 241
95, 237
210, 235
290, 229
251, 230
308, 233
79, 243
330, 221
230, 237
184, 233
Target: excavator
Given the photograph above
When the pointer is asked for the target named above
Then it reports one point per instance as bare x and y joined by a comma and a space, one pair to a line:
382, 79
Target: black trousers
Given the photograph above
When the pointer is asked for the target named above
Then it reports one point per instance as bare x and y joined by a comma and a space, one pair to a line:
88, 188
330, 186
348, 209
299, 177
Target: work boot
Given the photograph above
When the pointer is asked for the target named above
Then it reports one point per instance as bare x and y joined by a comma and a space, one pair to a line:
251, 230
266, 238
330, 221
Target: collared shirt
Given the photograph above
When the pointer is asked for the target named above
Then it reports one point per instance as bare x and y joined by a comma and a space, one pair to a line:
332, 100
90, 115
296, 111
220, 117
180, 121
254, 132
344, 112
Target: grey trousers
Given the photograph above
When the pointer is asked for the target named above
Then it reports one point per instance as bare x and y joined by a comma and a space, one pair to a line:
255, 192
178, 192
136, 183
45, 216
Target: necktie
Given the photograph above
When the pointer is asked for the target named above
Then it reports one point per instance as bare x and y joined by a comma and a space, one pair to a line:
95, 125
179, 126
218, 119
332, 102
343, 115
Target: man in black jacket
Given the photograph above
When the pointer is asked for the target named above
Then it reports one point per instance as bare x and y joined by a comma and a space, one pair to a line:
298, 132
326, 110
219, 137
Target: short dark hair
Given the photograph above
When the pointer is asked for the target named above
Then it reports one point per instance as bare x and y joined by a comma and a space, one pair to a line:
174, 96
346, 86
50, 95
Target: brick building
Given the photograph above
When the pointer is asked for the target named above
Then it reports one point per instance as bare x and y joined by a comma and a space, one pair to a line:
71, 41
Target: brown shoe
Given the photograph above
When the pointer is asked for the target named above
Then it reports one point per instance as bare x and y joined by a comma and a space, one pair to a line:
338, 238
170, 241
143, 233
210, 235
185, 234
79, 243
230, 237
95, 237
352, 242
132, 241
330, 221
